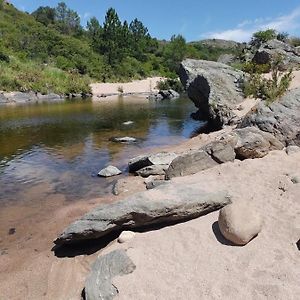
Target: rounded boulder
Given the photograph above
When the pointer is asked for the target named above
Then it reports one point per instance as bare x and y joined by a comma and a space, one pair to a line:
239, 223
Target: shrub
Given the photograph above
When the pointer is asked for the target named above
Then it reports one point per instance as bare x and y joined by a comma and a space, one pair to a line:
252, 68
269, 89
263, 36
169, 83
120, 89
294, 41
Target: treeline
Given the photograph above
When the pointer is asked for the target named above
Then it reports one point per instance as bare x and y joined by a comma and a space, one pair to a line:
50, 51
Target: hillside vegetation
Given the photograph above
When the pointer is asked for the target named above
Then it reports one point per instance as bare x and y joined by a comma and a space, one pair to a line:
49, 50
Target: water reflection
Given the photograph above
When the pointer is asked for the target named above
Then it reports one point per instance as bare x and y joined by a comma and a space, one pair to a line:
63, 146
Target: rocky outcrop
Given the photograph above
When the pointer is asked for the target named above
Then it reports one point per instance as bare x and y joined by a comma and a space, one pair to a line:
246, 143
281, 118
239, 223
162, 160
98, 284
166, 204
267, 51
26, 98
215, 89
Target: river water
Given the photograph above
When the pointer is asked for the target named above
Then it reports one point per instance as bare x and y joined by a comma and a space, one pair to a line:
49, 149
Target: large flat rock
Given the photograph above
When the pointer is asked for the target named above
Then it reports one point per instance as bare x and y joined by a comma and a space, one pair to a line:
166, 204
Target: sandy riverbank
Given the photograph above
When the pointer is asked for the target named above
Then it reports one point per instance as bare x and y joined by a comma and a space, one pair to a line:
145, 86
185, 261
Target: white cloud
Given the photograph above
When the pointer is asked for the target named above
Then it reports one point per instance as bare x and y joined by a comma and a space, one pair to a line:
245, 29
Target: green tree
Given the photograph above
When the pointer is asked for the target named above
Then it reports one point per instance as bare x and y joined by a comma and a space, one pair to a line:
67, 20
139, 39
95, 31
45, 15
175, 52
112, 38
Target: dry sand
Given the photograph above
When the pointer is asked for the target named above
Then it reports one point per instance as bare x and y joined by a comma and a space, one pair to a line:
192, 261
185, 261
145, 86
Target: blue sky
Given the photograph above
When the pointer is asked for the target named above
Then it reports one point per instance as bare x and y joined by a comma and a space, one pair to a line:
195, 19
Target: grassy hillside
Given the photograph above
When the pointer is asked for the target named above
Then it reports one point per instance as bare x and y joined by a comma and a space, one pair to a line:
49, 51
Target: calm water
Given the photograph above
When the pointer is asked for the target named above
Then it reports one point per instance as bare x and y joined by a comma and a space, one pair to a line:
59, 148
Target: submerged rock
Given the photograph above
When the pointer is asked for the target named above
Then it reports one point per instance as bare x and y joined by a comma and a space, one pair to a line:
109, 172
166, 204
123, 140
98, 284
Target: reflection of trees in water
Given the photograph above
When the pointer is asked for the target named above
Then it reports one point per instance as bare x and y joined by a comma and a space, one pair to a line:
65, 126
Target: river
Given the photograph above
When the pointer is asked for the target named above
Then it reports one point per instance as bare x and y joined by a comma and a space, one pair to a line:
49, 149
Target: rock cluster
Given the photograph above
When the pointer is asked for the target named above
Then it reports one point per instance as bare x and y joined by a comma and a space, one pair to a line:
164, 95
280, 118
269, 50
246, 143
26, 98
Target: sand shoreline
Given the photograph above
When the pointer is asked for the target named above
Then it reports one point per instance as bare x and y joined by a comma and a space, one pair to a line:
142, 87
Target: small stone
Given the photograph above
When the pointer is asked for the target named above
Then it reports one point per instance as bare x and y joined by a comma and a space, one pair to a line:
290, 150
124, 140
239, 223
295, 179
127, 123
298, 244
109, 172
126, 236
12, 231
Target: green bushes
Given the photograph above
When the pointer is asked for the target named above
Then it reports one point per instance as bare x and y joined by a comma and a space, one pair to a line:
259, 86
173, 84
20, 76
263, 36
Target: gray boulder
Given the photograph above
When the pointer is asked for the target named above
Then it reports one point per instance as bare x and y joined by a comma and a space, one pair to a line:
109, 172
166, 204
254, 143
215, 89
98, 284
142, 161
267, 51
226, 59
281, 118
